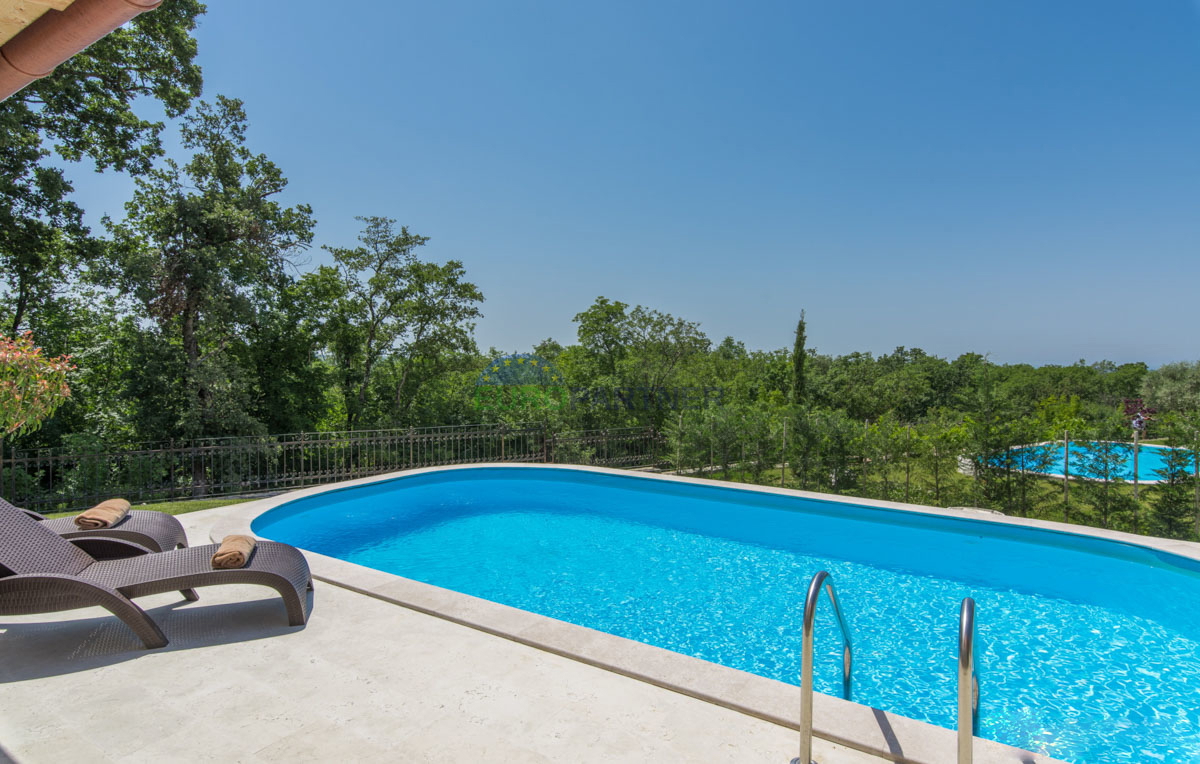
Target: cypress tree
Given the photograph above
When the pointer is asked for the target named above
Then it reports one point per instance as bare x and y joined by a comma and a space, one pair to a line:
798, 357
1173, 504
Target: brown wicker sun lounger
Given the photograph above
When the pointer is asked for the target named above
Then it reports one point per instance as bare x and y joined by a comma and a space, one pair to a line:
156, 531
41, 572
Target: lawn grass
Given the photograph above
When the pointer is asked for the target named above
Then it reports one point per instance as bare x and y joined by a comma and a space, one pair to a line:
173, 507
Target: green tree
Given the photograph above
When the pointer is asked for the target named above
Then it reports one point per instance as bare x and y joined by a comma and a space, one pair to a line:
825, 450
103, 338
390, 306
548, 349
1027, 463
1183, 431
604, 333
40, 228
940, 443
1174, 512
1103, 466
280, 349
659, 344
884, 458
197, 244
848, 384
1173, 387
1120, 382
987, 438
905, 391
634, 353
1058, 414
760, 434
85, 110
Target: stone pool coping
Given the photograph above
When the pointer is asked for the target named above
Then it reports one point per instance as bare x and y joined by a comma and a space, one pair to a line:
850, 724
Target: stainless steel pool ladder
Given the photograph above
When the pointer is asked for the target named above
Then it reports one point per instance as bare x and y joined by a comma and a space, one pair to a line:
820, 581
968, 683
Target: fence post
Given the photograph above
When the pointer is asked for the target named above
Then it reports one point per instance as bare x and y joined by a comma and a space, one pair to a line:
197, 476
1136, 432
679, 446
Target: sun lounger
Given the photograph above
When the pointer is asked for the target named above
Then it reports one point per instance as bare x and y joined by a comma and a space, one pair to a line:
42, 572
156, 531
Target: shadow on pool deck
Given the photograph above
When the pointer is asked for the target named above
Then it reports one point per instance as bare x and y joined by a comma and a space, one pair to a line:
85, 639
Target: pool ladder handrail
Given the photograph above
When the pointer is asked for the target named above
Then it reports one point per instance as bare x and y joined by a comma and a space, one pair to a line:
968, 683
968, 679
820, 581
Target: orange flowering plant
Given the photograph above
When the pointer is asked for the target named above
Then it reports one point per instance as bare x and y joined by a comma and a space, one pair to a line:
32, 385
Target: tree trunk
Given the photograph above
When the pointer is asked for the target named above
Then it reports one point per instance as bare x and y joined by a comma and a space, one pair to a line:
191, 349
19, 311
369, 360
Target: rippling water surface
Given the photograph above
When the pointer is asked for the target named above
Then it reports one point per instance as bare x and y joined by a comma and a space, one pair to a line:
1088, 650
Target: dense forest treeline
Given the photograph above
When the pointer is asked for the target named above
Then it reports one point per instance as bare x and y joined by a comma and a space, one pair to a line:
188, 317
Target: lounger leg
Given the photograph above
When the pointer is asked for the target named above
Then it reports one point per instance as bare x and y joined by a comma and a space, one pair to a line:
73, 592
189, 594
295, 599
137, 619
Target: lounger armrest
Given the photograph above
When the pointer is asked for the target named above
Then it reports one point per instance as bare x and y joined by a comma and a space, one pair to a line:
108, 547
49, 577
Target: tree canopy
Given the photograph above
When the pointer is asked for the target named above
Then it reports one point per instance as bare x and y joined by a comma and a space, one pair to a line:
193, 316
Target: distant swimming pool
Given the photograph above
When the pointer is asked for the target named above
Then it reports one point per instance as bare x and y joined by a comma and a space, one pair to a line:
1089, 649
1051, 459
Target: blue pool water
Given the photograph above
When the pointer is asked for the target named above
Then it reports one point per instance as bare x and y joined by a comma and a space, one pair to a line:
1051, 458
1089, 650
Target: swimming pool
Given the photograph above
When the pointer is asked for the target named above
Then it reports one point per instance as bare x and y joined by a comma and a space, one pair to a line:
1089, 649
1051, 459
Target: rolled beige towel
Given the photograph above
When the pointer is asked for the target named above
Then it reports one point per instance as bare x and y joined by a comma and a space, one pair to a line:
234, 552
106, 514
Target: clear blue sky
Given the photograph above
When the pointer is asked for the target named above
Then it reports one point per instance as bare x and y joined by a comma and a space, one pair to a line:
1014, 177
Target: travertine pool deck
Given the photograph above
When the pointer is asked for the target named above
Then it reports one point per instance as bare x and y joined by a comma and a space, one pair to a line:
372, 680
364, 681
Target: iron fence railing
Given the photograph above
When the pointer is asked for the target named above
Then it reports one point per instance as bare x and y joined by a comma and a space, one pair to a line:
66, 479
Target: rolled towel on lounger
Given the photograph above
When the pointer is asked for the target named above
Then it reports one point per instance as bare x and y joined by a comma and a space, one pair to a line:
106, 514
234, 551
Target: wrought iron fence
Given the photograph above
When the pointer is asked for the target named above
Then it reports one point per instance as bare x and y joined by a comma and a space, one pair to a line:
620, 447
67, 479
